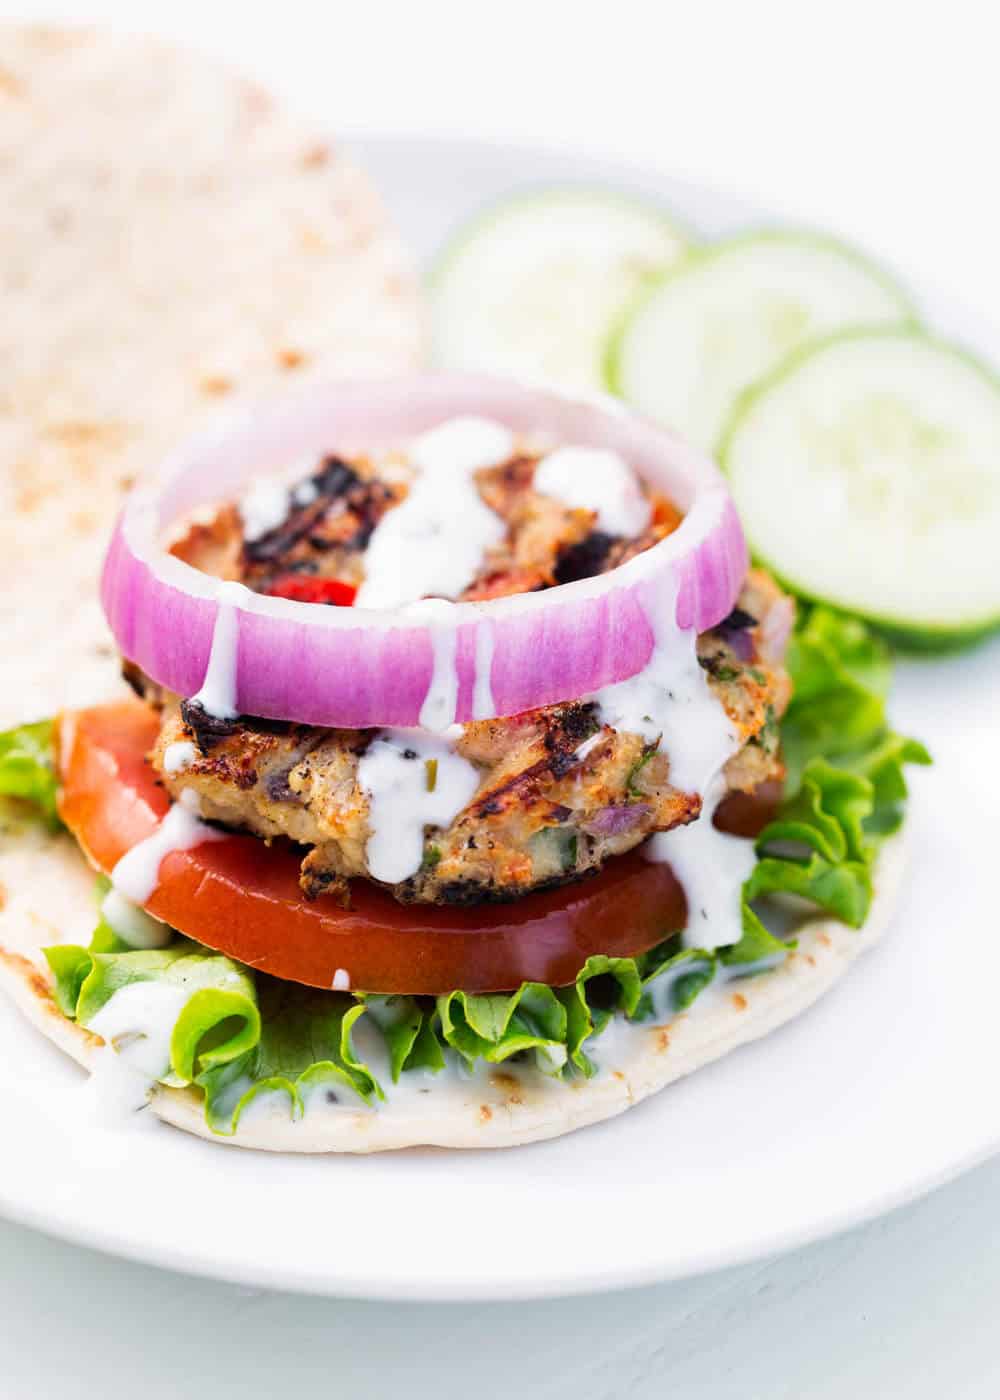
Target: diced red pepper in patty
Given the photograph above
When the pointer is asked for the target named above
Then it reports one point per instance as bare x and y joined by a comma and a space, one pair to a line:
307, 588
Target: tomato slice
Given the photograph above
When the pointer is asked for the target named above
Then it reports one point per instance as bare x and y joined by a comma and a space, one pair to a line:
242, 897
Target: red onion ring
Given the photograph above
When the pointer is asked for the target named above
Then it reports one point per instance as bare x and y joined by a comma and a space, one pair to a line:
354, 667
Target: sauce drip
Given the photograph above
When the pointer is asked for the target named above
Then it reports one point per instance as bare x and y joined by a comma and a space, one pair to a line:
178, 756
592, 478
433, 542
134, 925
441, 701
413, 780
711, 867
670, 701
137, 873
264, 507
217, 695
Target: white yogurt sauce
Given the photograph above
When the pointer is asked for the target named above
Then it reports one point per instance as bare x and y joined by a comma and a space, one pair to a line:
413, 780
670, 699
434, 541
138, 1022
267, 504
588, 745
217, 695
114, 1092
710, 866
178, 756
137, 873
134, 925
264, 507
441, 701
341, 980
305, 493
593, 478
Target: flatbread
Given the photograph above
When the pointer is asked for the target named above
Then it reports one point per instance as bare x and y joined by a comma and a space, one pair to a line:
171, 242
49, 900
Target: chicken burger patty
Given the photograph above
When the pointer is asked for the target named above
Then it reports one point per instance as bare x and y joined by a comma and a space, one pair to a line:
549, 795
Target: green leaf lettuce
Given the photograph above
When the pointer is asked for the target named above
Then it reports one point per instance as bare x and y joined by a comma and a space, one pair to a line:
27, 767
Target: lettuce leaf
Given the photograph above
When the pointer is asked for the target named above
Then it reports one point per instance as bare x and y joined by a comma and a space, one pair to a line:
240, 1035
27, 767
553, 1023
758, 946
408, 1028
237, 1035
219, 1020
845, 790
305, 1047
840, 673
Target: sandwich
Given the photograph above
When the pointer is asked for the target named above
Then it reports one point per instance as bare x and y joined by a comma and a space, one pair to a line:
472, 785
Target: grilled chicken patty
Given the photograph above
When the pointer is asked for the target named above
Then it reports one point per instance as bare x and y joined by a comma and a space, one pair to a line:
559, 791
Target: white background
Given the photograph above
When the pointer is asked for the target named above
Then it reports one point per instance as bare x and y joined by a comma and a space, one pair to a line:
879, 121
875, 118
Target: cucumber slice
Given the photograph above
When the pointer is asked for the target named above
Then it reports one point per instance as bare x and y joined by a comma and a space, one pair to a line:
734, 311
866, 471
534, 286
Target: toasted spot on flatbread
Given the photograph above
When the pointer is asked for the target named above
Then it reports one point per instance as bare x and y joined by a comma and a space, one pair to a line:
28, 498
10, 84
35, 980
316, 156
30, 989
216, 384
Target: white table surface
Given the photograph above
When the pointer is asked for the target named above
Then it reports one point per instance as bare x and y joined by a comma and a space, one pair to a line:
877, 120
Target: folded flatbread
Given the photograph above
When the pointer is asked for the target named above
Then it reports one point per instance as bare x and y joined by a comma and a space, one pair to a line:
171, 241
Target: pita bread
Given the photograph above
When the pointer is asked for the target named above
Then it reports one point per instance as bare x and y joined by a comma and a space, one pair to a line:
49, 900
171, 241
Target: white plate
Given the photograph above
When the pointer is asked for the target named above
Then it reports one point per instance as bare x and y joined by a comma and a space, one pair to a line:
884, 1090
